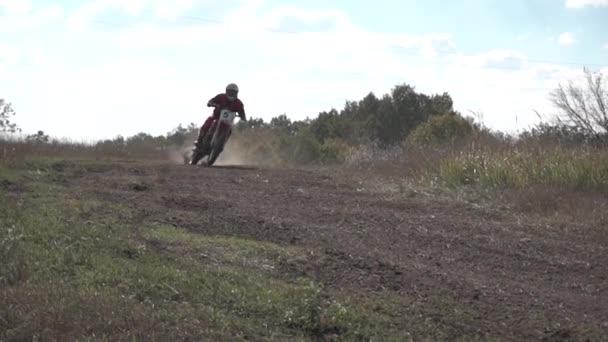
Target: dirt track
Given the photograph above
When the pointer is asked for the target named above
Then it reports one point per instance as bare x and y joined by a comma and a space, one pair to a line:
518, 280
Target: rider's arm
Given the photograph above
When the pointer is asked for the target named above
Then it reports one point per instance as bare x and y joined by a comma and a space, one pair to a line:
242, 112
213, 102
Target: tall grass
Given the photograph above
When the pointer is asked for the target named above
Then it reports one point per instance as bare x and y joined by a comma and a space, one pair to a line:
14, 149
563, 182
579, 169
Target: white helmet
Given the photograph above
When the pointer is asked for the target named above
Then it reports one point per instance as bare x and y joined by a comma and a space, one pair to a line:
232, 91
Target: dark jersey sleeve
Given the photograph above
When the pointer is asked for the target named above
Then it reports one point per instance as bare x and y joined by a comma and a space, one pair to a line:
242, 111
215, 100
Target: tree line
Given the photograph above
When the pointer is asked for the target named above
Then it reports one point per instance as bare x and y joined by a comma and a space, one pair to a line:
402, 116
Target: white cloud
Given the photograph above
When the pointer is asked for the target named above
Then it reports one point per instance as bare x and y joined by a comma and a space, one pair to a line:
16, 7
82, 17
8, 54
167, 10
586, 3
496, 58
170, 10
566, 39
150, 76
21, 15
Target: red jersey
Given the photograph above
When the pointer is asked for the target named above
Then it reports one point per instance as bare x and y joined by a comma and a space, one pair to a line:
224, 103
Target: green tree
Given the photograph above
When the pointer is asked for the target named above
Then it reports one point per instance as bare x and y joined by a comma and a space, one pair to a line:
448, 128
282, 123
441, 104
331, 125
144, 141
359, 118
177, 136
6, 112
401, 111
251, 123
39, 138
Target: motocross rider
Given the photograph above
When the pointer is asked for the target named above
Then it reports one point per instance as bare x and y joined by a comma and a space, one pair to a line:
228, 100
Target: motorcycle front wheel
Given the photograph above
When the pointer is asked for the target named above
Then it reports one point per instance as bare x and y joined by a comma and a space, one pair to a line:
216, 148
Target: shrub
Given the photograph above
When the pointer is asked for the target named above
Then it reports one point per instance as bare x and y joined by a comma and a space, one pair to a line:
335, 151
449, 128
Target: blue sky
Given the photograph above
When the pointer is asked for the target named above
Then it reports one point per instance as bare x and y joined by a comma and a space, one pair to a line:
93, 69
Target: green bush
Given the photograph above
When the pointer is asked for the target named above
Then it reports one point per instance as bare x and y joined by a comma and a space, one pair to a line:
299, 149
335, 151
444, 129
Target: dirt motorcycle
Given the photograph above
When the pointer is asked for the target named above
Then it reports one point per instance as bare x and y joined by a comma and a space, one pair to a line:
215, 139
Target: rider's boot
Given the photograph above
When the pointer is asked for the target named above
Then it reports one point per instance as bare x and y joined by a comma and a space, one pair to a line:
197, 145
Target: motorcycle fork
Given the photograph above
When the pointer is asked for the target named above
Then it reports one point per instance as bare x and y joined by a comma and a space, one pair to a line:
224, 128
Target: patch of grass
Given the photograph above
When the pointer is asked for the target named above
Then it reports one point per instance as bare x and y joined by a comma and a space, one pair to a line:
14, 149
573, 169
70, 257
305, 306
6, 172
230, 250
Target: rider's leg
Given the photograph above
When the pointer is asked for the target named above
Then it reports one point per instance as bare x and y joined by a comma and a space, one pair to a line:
204, 129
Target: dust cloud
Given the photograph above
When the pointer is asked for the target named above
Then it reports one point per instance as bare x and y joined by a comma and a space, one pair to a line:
234, 154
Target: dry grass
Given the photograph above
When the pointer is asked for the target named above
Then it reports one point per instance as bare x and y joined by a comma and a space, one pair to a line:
576, 169
20, 150
550, 181
560, 205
